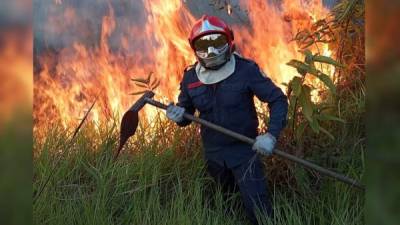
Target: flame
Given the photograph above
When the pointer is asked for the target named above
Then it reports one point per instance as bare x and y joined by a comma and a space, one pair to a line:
72, 77
268, 39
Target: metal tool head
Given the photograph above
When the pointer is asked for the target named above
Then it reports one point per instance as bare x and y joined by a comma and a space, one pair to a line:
130, 120
141, 101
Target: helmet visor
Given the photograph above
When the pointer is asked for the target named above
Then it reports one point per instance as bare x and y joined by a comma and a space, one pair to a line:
217, 41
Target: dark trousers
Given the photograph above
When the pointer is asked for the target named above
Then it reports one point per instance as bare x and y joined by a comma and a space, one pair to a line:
249, 179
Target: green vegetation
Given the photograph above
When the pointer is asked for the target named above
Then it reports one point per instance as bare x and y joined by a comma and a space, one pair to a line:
160, 178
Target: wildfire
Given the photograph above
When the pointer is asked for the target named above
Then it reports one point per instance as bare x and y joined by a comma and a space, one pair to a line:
98, 68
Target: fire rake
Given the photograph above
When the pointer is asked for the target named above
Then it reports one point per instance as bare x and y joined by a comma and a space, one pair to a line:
130, 122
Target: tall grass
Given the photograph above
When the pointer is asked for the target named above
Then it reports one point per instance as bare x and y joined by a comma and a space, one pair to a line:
160, 178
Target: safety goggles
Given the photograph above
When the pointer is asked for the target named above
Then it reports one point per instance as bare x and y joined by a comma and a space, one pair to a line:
212, 43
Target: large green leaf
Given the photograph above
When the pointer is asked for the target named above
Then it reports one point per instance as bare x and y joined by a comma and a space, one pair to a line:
315, 125
309, 56
326, 59
327, 81
300, 130
312, 70
323, 77
292, 100
301, 67
296, 85
305, 102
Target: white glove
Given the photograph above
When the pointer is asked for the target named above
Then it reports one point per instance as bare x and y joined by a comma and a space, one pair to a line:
265, 144
175, 113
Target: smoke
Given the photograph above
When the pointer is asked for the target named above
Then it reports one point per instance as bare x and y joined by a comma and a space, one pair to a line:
61, 23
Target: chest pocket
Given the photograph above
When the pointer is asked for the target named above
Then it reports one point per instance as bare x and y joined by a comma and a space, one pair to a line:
233, 96
201, 98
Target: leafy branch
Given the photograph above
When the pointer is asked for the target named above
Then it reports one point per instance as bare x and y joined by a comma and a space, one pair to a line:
320, 32
148, 84
299, 94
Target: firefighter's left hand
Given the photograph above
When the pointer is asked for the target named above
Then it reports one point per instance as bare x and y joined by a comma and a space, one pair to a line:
265, 144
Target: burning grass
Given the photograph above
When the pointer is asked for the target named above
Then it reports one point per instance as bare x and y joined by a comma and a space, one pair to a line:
160, 177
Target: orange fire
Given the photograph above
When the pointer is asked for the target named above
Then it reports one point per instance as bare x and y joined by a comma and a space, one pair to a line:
71, 78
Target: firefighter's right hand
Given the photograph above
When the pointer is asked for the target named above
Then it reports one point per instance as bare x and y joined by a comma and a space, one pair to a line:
175, 113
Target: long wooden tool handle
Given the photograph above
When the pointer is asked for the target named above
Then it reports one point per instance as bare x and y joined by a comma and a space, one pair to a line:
251, 141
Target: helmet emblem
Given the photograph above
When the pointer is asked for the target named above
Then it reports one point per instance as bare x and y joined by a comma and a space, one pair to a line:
206, 26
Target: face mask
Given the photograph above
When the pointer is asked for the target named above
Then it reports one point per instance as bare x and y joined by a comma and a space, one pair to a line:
212, 50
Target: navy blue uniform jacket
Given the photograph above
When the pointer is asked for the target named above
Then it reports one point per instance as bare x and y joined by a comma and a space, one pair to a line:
230, 104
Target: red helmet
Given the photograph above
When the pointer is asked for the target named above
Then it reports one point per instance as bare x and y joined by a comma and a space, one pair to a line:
211, 25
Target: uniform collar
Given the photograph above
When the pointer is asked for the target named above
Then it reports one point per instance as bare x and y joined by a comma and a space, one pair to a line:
207, 76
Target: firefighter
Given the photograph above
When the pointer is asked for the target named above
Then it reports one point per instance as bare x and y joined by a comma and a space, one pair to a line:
221, 86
